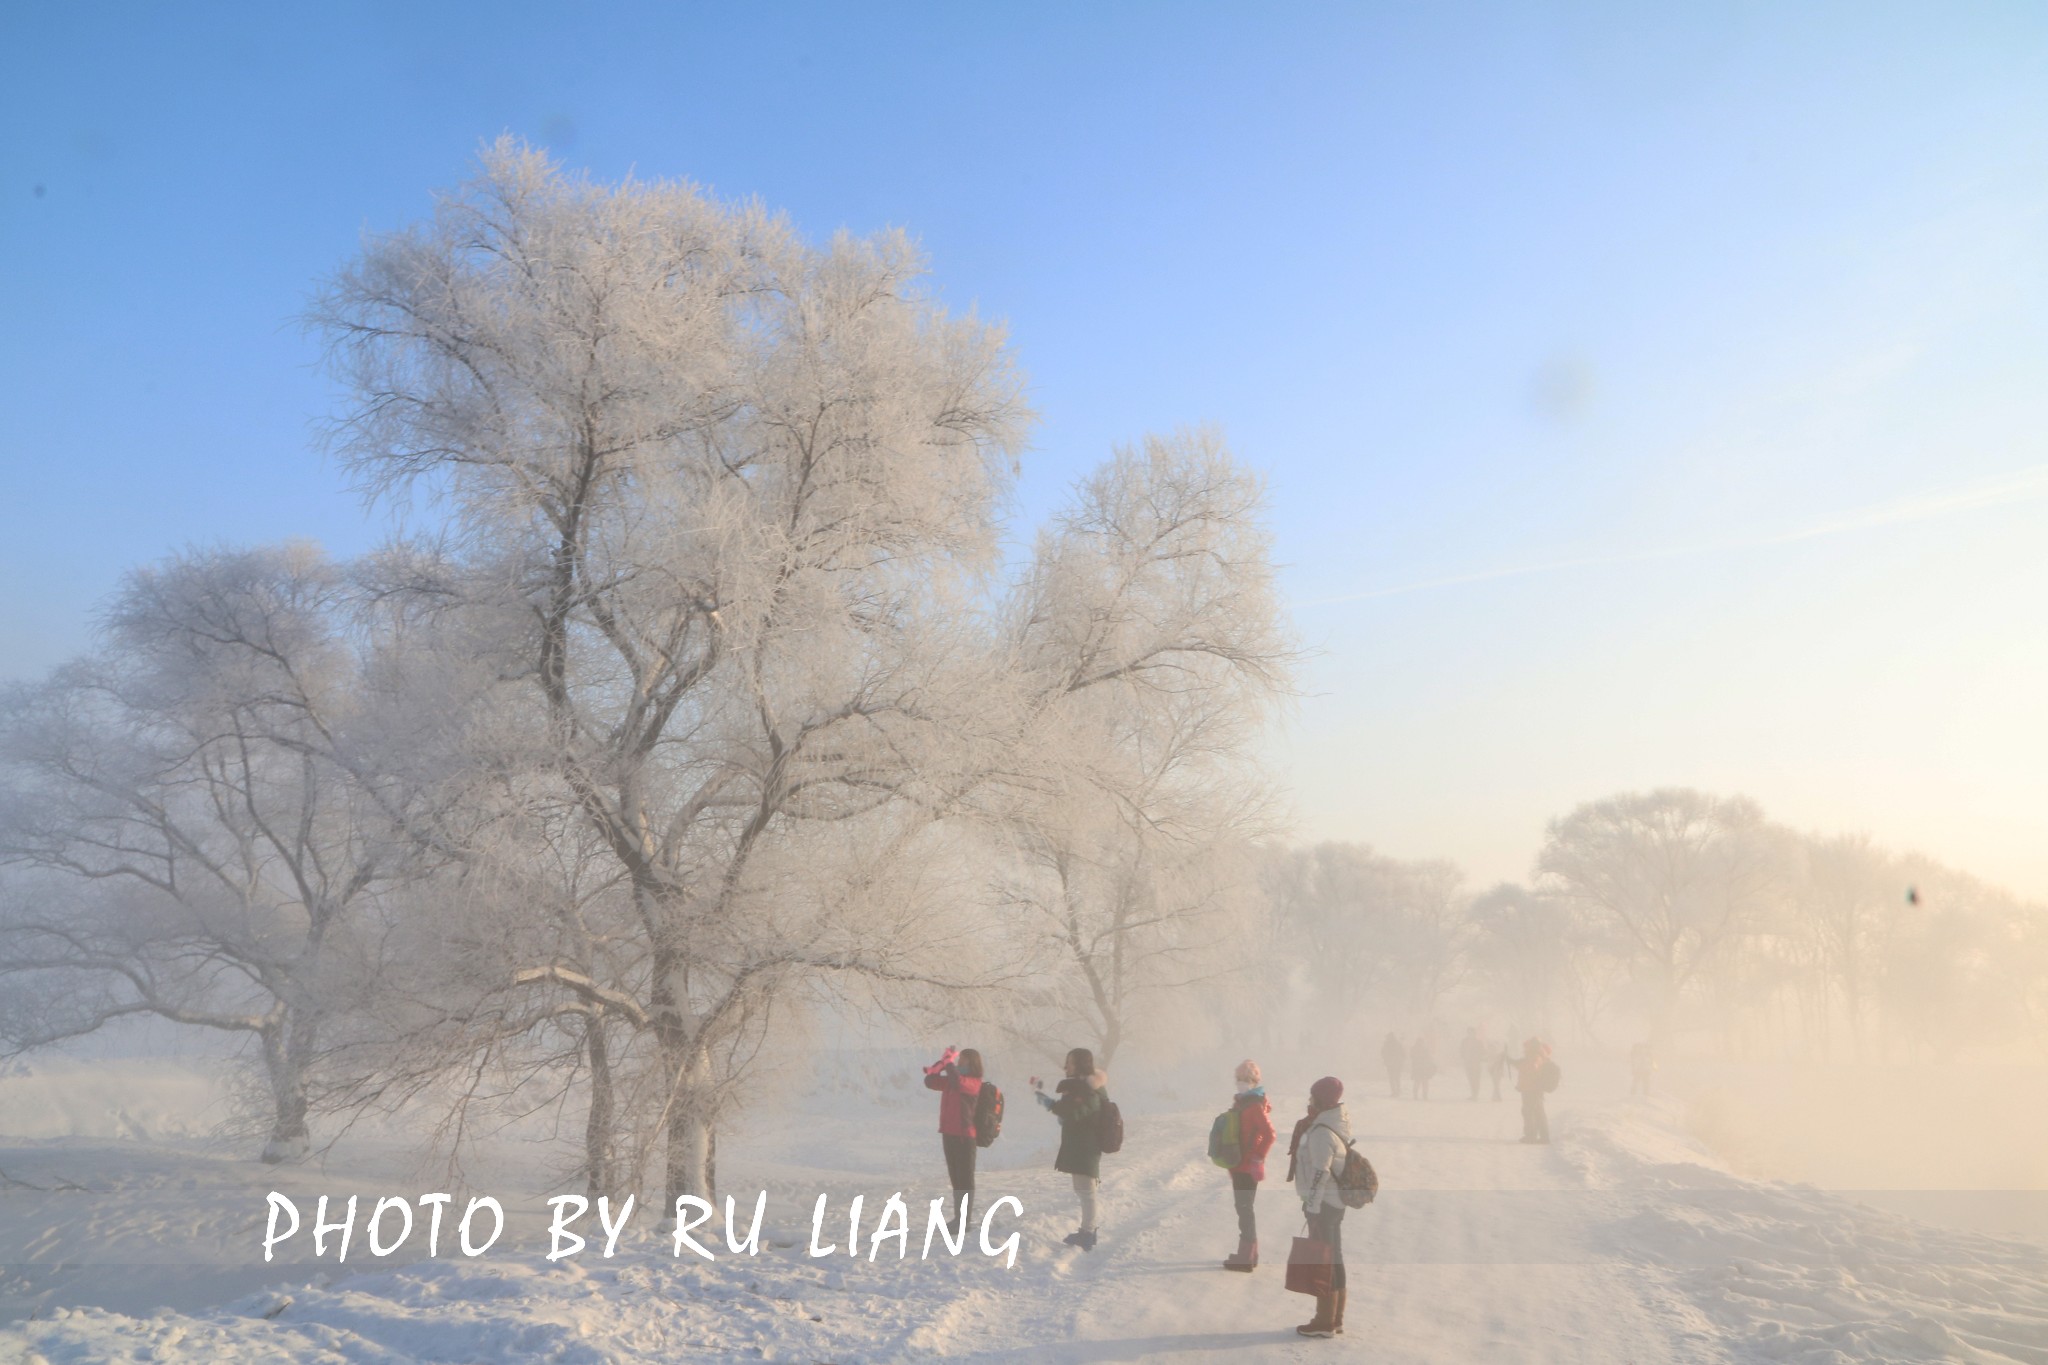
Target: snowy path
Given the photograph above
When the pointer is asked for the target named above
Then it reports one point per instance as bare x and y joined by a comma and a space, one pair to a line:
1478, 1249
1622, 1244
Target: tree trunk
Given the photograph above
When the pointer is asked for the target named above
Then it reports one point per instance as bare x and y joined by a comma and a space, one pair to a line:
284, 1055
597, 1129
1852, 993
1666, 985
690, 1144
691, 1140
1112, 1038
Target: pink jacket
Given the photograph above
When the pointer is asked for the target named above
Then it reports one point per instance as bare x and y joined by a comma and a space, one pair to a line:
957, 1095
1254, 1132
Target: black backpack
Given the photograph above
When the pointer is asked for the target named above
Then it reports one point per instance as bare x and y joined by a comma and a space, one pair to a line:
1109, 1127
988, 1114
1549, 1075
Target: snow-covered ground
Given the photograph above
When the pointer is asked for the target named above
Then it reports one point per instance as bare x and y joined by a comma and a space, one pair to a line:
1624, 1242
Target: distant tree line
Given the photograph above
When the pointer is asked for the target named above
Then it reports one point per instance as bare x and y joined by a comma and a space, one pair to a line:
1651, 915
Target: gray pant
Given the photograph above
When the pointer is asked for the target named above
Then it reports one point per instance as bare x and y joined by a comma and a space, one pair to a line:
1084, 1186
1535, 1123
1243, 1190
1326, 1224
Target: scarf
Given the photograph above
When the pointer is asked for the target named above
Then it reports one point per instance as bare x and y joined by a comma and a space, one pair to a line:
1300, 1131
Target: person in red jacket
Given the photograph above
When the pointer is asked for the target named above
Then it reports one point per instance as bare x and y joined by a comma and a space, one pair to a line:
957, 1078
1255, 1139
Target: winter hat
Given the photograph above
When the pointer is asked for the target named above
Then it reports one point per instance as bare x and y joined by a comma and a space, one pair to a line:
1326, 1092
1248, 1073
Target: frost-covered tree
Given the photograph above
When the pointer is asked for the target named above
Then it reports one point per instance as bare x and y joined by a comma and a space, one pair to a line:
1430, 932
1953, 971
185, 822
1848, 895
1665, 883
1147, 651
2026, 973
1370, 932
1325, 901
1117, 914
1521, 947
718, 493
512, 982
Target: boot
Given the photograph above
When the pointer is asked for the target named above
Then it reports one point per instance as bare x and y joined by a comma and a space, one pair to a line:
1321, 1324
1337, 1312
1247, 1257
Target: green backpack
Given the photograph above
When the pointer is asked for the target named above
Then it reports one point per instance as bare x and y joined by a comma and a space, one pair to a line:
1226, 1141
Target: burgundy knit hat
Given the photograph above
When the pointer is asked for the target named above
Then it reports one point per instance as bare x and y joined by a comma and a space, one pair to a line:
1326, 1092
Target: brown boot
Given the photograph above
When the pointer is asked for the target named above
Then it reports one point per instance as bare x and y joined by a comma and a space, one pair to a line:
1247, 1257
1321, 1325
1337, 1312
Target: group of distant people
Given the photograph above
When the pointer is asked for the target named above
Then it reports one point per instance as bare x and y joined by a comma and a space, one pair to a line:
1536, 1072
970, 1116
1322, 1164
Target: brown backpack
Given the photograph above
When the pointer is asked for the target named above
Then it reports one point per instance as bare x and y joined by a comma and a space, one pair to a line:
1357, 1181
988, 1115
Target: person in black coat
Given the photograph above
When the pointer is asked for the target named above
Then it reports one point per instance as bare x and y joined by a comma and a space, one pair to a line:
1077, 1103
1396, 1058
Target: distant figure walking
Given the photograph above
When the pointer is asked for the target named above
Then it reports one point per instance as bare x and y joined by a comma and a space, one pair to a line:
1321, 1142
1472, 1052
1079, 1109
1396, 1058
957, 1078
1536, 1075
1497, 1067
1421, 1065
1249, 1136
1642, 1064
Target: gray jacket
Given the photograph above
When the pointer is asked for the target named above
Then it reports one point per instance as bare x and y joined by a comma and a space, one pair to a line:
1319, 1158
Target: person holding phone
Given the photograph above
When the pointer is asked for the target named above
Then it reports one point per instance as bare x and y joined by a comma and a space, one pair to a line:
1077, 1104
957, 1077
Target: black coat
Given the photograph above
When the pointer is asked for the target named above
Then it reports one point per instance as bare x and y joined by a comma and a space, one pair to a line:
1079, 1108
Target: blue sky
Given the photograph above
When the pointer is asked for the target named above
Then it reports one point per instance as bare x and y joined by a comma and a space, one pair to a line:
1649, 395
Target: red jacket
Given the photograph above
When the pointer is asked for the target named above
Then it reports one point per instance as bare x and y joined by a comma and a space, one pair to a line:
957, 1095
1254, 1132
